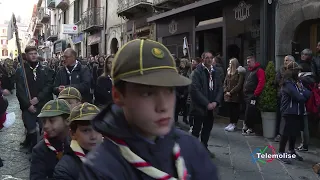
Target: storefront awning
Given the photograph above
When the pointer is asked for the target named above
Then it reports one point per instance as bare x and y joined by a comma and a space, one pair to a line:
210, 24
94, 39
181, 9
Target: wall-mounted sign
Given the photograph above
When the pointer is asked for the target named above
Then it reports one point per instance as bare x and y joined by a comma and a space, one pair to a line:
69, 29
173, 27
242, 11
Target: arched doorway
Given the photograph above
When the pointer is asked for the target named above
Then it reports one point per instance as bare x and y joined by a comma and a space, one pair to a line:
307, 34
114, 46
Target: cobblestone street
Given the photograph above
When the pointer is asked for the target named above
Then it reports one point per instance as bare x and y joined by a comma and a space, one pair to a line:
232, 150
15, 160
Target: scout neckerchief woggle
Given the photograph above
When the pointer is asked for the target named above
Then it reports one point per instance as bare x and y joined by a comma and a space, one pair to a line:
34, 71
59, 154
77, 150
146, 167
70, 73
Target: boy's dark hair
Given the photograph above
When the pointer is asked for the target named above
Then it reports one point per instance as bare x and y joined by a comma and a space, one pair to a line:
30, 48
74, 125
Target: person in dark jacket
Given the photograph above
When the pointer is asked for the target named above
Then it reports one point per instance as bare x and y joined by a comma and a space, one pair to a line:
97, 71
278, 81
84, 139
138, 128
182, 92
232, 86
33, 90
73, 74
102, 93
293, 98
253, 86
308, 80
47, 153
206, 94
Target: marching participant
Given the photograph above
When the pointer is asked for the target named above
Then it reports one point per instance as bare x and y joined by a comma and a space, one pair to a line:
48, 152
140, 140
72, 96
84, 139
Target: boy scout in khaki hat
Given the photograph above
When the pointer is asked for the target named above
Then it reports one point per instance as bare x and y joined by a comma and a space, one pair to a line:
49, 150
84, 139
138, 128
71, 95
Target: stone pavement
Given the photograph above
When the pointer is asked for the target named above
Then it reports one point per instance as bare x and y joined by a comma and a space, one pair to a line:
232, 150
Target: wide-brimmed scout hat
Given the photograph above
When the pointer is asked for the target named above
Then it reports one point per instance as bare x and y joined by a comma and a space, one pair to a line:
54, 108
147, 62
70, 93
83, 112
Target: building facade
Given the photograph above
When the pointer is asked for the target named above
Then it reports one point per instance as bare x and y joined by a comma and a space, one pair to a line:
297, 27
115, 26
60, 24
232, 29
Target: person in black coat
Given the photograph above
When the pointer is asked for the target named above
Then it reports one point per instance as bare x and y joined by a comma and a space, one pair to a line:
84, 139
102, 93
73, 74
293, 98
97, 71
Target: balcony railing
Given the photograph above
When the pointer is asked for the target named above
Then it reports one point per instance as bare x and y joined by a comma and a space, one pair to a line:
44, 15
62, 4
52, 33
92, 19
51, 4
126, 7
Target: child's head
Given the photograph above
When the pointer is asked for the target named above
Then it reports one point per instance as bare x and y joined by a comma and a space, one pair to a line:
144, 86
81, 128
71, 95
54, 115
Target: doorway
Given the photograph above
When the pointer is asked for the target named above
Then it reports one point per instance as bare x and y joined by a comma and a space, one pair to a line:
209, 40
114, 46
94, 49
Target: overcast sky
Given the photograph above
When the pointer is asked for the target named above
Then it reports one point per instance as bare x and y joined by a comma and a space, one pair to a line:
18, 7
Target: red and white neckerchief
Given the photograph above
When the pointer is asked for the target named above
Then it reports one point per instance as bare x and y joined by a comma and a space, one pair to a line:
210, 76
77, 150
70, 73
146, 167
34, 71
59, 154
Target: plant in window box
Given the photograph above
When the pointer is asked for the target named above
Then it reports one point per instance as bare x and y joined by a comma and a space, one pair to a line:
268, 102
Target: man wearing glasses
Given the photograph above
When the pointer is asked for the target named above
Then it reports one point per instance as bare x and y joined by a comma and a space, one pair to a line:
73, 74
33, 90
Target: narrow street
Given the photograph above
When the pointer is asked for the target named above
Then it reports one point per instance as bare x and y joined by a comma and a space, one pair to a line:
232, 150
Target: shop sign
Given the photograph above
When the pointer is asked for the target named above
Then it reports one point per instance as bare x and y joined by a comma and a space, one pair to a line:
69, 29
77, 38
173, 27
242, 11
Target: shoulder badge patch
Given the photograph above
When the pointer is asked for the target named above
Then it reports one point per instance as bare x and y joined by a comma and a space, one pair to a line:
158, 53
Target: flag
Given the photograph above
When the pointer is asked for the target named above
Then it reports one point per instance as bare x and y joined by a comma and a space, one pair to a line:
185, 46
11, 28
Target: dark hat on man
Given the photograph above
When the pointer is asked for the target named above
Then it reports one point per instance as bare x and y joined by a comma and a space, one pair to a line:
143, 61
83, 112
70, 93
54, 108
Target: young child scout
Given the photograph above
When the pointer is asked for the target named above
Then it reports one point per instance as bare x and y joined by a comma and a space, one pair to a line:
84, 139
140, 140
48, 152
71, 95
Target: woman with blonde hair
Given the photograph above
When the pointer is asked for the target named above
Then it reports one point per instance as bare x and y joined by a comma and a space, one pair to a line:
102, 93
232, 91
